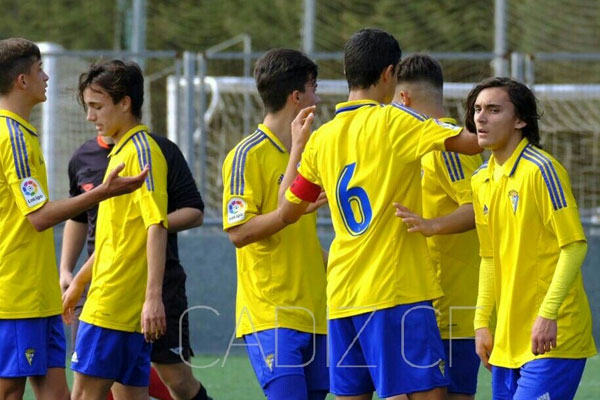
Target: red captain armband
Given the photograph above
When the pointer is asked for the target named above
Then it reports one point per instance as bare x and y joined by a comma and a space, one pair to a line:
305, 189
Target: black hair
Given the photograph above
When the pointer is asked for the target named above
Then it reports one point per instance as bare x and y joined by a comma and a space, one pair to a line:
367, 54
17, 55
421, 68
118, 79
522, 99
279, 72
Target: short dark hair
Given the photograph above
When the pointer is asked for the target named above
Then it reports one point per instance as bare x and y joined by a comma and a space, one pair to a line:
119, 79
520, 96
279, 72
366, 54
17, 55
421, 68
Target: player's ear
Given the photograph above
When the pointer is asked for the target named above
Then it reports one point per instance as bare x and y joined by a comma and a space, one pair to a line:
520, 124
21, 81
405, 98
388, 73
125, 104
295, 97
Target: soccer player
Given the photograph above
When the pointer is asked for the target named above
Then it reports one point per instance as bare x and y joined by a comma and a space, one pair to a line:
448, 222
124, 310
280, 305
32, 341
185, 207
382, 330
532, 249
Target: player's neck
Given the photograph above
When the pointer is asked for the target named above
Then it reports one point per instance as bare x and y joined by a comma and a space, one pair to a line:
18, 105
280, 124
433, 110
503, 153
376, 92
127, 125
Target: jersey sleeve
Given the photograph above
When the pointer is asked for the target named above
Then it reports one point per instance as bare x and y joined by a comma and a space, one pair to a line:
307, 185
556, 203
454, 173
481, 222
75, 190
151, 197
23, 177
413, 135
242, 188
182, 188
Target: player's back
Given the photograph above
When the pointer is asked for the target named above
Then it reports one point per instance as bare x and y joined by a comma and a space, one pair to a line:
367, 158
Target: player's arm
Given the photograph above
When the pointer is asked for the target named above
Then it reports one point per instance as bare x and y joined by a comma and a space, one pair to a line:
54, 212
73, 293
73, 241
486, 301
465, 142
153, 312
460, 220
185, 218
545, 330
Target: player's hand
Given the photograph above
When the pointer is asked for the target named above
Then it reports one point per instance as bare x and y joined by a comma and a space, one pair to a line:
484, 342
66, 277
115, 185
70, 298
312, 207
415, 222
543, 335
301, 127
154, 322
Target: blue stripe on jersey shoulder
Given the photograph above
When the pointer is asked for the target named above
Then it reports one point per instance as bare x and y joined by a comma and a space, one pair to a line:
482, 166
15, 149
410, 111
351, 108
448, 168
272, 141
144, 158
19, 148
239, 162
149, 152
240, 147
555, 189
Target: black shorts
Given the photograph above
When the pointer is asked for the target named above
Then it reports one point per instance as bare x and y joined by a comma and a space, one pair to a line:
170, 348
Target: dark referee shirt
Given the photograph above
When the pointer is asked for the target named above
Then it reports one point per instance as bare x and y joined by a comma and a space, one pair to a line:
87, 168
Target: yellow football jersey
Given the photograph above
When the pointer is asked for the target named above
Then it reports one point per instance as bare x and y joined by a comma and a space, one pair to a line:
28, 275
446, 183
281, 279
120, 271
367, 158
522, 220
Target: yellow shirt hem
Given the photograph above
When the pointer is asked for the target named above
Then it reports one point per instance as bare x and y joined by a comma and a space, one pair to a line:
319, 330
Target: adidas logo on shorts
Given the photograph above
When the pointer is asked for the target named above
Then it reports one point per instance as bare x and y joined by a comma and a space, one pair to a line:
545, 396
74, 357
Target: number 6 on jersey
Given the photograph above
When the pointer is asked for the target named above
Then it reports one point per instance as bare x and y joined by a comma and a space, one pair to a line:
353, 202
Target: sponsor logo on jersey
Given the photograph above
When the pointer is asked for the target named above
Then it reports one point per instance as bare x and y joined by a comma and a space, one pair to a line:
29, 353
236, 210
32, 191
